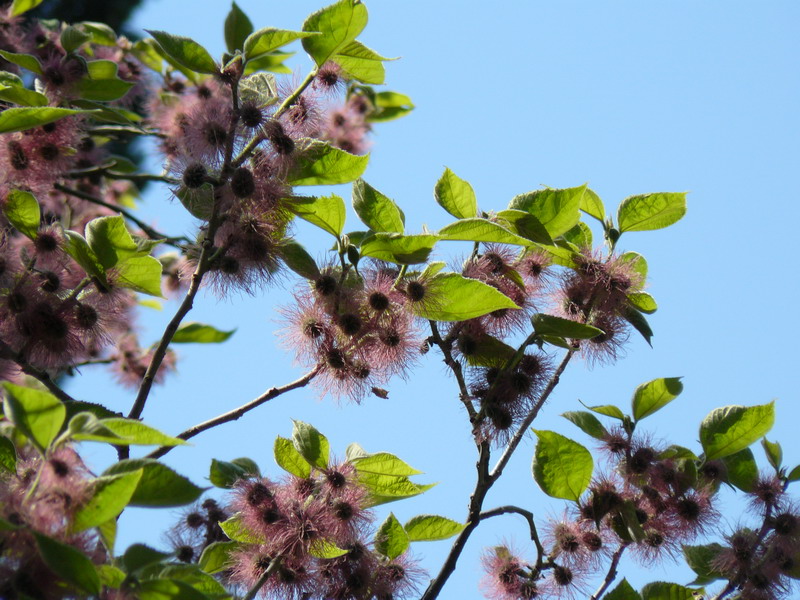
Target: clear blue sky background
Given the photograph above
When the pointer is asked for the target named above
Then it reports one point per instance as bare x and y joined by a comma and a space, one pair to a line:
631, 97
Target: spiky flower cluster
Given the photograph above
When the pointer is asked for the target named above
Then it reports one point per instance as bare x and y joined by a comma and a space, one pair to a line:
508, 577
357, 330
312, 535
41, 497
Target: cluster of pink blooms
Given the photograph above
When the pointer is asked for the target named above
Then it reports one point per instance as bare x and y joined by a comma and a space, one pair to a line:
42, 496
295, 520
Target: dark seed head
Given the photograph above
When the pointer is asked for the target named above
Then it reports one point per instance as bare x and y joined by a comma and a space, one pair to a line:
325, 285
562, 575
60, 468
184, 554
242, 183
51, 282
378, 301
17, 302
258, 494
194, 520
336, 479
313, 329
215, 134
251, 115
229, 265
17, 156
86, 316
641, 460
350, 323
195, 175
592, 541
344, 511
786, 524
688, 509
335, 359
391, 337
49, 152
415, 290
45, 242
467, 344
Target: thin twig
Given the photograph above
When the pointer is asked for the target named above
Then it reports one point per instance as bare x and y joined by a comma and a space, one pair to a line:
237, 413
7, 353
503, 510
526, 423
611, 574
149, 231
273, 566
455, 367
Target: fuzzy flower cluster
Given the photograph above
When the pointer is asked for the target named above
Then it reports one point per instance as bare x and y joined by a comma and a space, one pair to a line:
42, 497
357, 330
297, 522
509, 577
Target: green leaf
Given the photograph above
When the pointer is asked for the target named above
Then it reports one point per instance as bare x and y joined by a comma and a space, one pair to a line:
383, 463
102, 83
194, 577
8, 455
21, 6
636, 262
560, 256
100, 33
580, 235
225, 474
149, 52
774, 453
73, 38
26, 61
624, 591
457, 298
728, 430
388, 488
136, 433
186, 52
110, 495
361, 63
138, 556
524, 224
587, 422
236, 530
677, 452
376, 211
319, 163
481, 230
592, 205
608, 410
23, 96
339, 24
325, 549
389, 106
200, 333
68, 563
654, 395
108, 535
428, 528
37, 414
268, 39
167, 589
28, 117
298, 259
237, 28
700, 559
561, 467
650, 211
558, 210
141, 274
111, 576
160, 486
398, 248
272, 62
456, 196
490, 352
198, 202
639, 323
22, 211
742, 470
260, 88
794, 474
216, 556
660, 590
110, 240
550, 325
643, 302
289, 459
311, 444
326, 212
11, 79
391, 539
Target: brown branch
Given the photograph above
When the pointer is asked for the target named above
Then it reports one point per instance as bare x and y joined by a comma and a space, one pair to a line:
611, 574
455, 367
503, 510
237, 413
43, 376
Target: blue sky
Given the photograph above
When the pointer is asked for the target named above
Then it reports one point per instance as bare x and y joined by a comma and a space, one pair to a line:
630, 97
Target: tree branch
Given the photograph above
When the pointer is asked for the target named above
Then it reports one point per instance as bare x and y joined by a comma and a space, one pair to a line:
43, 376
503, 510
458, 372
611, 574
237, 413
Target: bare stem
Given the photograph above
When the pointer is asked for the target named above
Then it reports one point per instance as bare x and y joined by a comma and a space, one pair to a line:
237, 413
503, 510
611, 574
455, 367
526, 423
273, 566
149, 231
43, 376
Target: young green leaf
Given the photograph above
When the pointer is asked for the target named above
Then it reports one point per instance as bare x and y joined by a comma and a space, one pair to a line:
37, 414
272, 62
592, 205
100, 33
562, 468
159, 486
110, 495
428, 528
728, 430
481, 230
639, 323
216, 557
326, 212
237, 27
389, 106
579, 236
456, 196
26, 61
289, 459
186, 52
391, 539
311, 444
269, 39
643, 302
73, 38
22, 96
587, 422
741, 470
361, 63
22, 211
298, 259
377, 211
28, 117
558, 210
110, 240
19, 7
608, 410
325, 549
525, 224
388, 488
660, 590
138, 556
623, 591
650, 211
141, 274
319, 163
700, 560
168, 589
383, 462
774, 453
8, 455
200, 333
654, 395
550, 325
225, 474
70, 564
452, 297
237, 531
339, 24
398, 248
490, 352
